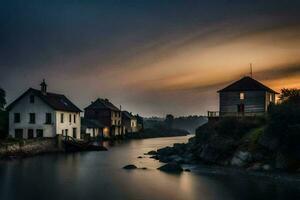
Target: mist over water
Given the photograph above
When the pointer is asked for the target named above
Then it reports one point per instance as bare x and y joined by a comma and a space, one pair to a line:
99, 175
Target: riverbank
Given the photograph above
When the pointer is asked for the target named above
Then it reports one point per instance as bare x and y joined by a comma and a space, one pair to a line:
234, 143
93, 173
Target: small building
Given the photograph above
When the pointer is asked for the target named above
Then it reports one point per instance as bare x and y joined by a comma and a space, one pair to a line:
129, 122
103, 111
245, 97
38, 113
140, 123
91, 129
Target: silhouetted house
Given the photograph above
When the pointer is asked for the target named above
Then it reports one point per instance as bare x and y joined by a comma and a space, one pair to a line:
38, 113
91, 128
129, 122
245, 97
103, 111
140, 123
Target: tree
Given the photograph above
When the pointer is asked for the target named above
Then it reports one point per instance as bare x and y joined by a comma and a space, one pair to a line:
2, 99
290, 95
283, 127
169, 120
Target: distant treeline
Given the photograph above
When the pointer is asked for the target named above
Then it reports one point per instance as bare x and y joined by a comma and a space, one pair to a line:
188, 123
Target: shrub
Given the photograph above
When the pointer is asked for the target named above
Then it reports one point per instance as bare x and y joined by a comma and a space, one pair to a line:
238, 127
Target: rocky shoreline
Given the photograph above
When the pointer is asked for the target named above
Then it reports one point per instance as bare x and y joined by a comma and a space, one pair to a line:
248, 151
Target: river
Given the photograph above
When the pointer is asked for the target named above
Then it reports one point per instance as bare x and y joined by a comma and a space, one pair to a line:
99, 175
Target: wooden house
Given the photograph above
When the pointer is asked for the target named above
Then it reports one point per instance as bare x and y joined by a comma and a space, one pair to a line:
103, 111
245, 97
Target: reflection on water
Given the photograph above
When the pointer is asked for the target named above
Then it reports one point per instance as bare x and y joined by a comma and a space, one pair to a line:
98, 175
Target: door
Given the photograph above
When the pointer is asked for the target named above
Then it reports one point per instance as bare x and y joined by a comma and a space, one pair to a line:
30, 134
19, 133
241, 108
74, 133
39, 133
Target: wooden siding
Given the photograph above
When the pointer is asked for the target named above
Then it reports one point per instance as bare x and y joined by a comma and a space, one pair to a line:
254, 101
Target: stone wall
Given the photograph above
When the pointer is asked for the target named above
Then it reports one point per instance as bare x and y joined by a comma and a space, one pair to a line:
29, 147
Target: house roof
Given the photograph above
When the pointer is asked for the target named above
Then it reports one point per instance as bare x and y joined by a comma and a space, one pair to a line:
55, 101
128, 115
247, 84
103, 104
90, 123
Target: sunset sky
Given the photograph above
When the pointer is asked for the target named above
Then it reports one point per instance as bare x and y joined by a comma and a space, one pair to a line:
152, 57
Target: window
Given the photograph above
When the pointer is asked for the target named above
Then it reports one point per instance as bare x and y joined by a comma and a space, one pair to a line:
66, 131
70, 118
62, 118
74, 133
39, 133
19, 133
242, 96
74, 119
48, 118
62, 132
30, 134
32, 118
17, 118
31, 99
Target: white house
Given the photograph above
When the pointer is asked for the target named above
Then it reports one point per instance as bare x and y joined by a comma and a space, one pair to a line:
38, 113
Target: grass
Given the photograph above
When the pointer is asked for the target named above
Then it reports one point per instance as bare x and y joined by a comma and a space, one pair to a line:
253, 136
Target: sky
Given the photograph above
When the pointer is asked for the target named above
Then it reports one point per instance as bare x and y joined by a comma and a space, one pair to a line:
152, 57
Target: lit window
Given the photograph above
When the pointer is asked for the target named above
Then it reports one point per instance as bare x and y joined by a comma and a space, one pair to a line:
271, 98
242, 96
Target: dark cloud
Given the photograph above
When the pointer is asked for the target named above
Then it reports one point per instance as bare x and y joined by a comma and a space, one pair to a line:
74, 44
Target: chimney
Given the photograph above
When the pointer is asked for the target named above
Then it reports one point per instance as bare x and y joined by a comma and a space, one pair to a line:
43, 87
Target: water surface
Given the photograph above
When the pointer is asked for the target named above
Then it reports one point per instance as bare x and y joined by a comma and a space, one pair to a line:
99, 175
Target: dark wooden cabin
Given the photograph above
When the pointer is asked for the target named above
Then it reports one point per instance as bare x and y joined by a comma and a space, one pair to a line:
103, 111
245, 97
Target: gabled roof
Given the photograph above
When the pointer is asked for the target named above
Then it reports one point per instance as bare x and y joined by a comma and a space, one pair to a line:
247, 84
103, 104
128, 115
56, 101
90, 123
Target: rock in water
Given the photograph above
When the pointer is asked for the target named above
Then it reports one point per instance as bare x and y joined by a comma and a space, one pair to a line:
171, 168
130, 167
152, 153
